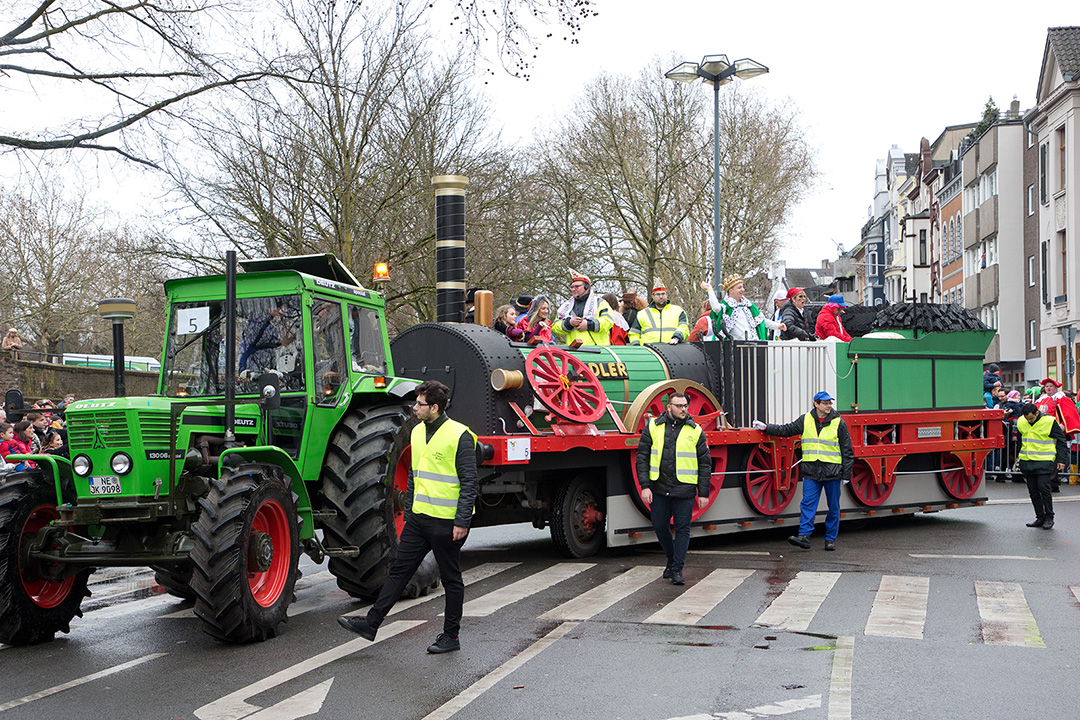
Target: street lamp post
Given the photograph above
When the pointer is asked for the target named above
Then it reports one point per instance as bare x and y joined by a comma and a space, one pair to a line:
118, 310
716, 71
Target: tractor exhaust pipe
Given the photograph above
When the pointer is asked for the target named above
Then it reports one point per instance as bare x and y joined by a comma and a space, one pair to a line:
230, 345
450, 247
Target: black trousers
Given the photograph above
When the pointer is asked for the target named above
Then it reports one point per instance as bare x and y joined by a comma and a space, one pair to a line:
1039, 490
421, 534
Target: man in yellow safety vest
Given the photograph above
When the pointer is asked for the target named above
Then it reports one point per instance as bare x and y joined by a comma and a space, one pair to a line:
673, 465
439, 504
827, 460
1042, 451
660, 322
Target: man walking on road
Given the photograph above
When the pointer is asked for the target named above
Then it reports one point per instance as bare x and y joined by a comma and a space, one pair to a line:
827, 460
439, 504
1042, 452
673, 465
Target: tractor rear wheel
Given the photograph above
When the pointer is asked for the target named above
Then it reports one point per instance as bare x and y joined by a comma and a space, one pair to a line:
247, 548
176, 579
35, 600
577, 517
364, 481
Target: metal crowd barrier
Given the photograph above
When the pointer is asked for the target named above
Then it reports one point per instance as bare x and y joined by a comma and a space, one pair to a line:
1001, 464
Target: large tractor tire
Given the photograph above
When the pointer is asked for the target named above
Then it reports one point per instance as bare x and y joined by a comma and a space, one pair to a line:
35, 601
577, 517
176, 579
247, 549
364, 481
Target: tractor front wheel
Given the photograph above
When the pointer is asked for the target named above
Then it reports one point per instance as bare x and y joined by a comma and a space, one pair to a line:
247, 548
36, 600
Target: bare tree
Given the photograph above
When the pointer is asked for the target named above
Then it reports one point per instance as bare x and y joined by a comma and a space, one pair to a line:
63, 256
115, 67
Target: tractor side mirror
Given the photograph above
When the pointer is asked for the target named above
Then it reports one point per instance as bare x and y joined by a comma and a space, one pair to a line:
269, 391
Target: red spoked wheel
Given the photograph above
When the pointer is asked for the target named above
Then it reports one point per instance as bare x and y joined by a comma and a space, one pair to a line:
565, 385
955, 478
651, 402
42, 592
761, 487
270, 547
864, 485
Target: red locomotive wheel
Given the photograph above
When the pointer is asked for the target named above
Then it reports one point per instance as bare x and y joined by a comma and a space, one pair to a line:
565, 385
761, 488
955, 478
863, 487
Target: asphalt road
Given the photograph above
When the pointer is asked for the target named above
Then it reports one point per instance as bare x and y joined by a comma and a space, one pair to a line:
962, 614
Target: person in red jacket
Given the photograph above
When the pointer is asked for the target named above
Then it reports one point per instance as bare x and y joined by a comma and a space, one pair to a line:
828, 320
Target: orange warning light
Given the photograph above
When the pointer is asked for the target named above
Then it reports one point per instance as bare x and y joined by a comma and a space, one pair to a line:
382, 272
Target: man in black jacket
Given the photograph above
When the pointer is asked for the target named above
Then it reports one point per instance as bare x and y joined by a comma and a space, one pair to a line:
673, 465
1043, 450
791, 314
827, 459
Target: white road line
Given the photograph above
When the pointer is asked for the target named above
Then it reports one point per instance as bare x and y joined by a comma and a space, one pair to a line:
233, 705
1075, 591
80, 681
603, 596
304, 703
485, 683
1025, 501
498, 599
314, 579
699, 600
1006, 617
976, 557
899, 608
732, 552
794, 608
476, 574
840, 684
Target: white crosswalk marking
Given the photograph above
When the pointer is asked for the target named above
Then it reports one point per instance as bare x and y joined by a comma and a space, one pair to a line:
899, 608
476, 574
602, 597
794, 608
1075, 591
699, 600
1006, 617
493, 601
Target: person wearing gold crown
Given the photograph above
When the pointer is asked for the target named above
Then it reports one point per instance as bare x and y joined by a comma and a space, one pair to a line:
660, 322
741, 318
584, 319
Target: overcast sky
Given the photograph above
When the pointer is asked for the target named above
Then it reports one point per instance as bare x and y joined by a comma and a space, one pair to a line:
863, 75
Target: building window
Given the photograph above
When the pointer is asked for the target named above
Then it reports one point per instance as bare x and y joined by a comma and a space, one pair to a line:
960, 295
1031, 335
1031, 271
1051, 363
1042, 173
1060, 134
959, 236
991, 252
1064, 263
922, 247
1045, 272
1031, 199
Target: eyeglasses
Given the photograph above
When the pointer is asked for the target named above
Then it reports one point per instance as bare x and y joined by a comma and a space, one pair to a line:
679, 405
574, 286
422, 404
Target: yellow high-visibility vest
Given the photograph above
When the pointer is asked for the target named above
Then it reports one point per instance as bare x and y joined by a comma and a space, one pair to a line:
436, 486
824, 447
686, 465
659, 325
1036, 443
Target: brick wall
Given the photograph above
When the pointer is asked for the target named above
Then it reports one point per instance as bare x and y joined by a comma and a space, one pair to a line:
44, 380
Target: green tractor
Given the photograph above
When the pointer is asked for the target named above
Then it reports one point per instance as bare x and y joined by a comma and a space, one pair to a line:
274, 430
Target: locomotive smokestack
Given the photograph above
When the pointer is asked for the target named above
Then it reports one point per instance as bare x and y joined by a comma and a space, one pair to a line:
450, 247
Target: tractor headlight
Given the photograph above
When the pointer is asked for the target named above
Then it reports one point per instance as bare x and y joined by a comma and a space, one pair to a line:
81, 465
121, 463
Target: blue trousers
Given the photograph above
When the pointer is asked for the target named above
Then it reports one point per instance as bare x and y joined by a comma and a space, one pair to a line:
665, 509
811, 494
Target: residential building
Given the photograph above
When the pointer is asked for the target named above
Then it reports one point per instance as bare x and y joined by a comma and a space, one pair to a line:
870, 253
1033, 309
993, 202
1056, 121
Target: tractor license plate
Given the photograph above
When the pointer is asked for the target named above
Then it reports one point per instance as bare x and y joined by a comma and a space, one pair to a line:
105, 485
